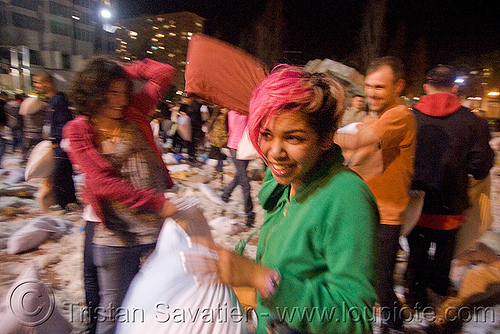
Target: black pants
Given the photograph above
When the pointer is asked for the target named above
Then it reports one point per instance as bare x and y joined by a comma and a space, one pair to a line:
387, 250
63, 185
429, 271
196, 138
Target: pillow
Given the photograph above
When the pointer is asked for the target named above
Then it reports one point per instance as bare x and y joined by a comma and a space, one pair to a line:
18, 317
41, 161
165, 298
33, 234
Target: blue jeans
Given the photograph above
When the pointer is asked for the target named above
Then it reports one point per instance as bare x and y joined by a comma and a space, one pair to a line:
116, 267
240, 178
90, 281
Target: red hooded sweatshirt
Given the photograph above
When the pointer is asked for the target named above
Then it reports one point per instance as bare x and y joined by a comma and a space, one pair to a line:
438, 104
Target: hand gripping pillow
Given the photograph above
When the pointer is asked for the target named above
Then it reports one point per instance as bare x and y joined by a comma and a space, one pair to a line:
163, 298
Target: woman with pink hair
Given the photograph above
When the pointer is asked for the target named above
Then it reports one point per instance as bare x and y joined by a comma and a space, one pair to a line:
314, 270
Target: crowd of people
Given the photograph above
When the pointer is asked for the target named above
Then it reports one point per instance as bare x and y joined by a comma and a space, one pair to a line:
334, 201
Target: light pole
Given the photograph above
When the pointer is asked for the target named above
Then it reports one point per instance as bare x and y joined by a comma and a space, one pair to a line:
105, 16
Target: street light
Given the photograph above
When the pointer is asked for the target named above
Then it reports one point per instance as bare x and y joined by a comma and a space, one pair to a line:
107, 27
105, 13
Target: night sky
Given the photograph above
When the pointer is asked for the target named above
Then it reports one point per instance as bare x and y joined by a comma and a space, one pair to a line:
330, 29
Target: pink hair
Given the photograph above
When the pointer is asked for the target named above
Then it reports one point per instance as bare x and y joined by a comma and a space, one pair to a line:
293, 89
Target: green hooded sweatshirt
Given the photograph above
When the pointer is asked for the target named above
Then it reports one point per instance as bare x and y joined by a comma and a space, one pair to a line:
322, 243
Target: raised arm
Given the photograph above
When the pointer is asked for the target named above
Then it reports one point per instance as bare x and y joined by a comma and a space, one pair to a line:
158, 79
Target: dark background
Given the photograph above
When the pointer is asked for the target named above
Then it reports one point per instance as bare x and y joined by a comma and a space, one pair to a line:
423, 33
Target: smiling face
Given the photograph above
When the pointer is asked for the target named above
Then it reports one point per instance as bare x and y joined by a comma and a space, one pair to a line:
381, 89
117, 100
291, 148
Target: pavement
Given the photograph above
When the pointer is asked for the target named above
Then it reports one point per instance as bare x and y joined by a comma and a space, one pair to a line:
61, 259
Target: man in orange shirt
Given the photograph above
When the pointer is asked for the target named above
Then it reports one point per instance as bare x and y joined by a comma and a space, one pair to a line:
392, 137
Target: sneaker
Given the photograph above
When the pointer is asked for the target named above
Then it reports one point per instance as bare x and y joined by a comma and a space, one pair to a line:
388, 329
224, 198
250, 221
72, 207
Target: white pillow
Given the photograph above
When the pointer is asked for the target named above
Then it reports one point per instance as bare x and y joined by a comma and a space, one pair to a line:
29, 294
34, 233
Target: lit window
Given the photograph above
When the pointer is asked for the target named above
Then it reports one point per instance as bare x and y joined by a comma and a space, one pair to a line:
123, 42
154, 39
190, 34
172, 34
133, 33
155, 28
160, 19
150, 52
161, 47
171, 55
160, 35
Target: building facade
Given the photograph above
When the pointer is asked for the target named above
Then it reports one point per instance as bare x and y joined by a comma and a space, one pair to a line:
163, 37
50, 34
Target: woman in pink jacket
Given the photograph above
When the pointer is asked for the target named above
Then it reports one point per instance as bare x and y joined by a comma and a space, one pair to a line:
125, 178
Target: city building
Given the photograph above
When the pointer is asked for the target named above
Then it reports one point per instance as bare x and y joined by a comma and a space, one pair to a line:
163, 37
51, 34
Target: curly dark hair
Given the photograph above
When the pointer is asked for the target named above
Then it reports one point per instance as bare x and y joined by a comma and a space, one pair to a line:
88, 90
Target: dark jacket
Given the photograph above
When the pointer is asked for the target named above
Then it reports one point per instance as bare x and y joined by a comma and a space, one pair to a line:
58, 115
3, 115
452, 143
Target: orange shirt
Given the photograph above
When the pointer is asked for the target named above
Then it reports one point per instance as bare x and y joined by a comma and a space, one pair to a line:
396, 129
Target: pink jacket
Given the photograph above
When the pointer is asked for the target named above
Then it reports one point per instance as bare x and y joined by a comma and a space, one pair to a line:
101, 182
236, 127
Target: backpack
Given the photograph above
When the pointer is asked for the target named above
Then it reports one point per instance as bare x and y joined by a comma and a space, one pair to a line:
218, 133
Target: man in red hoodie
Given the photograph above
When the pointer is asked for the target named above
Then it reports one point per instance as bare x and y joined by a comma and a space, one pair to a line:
452, 143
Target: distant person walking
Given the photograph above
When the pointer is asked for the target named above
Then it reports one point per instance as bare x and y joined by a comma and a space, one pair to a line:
15, 120
57, 115
32, 110
452, 143
356, 112
4, 98
236, 124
